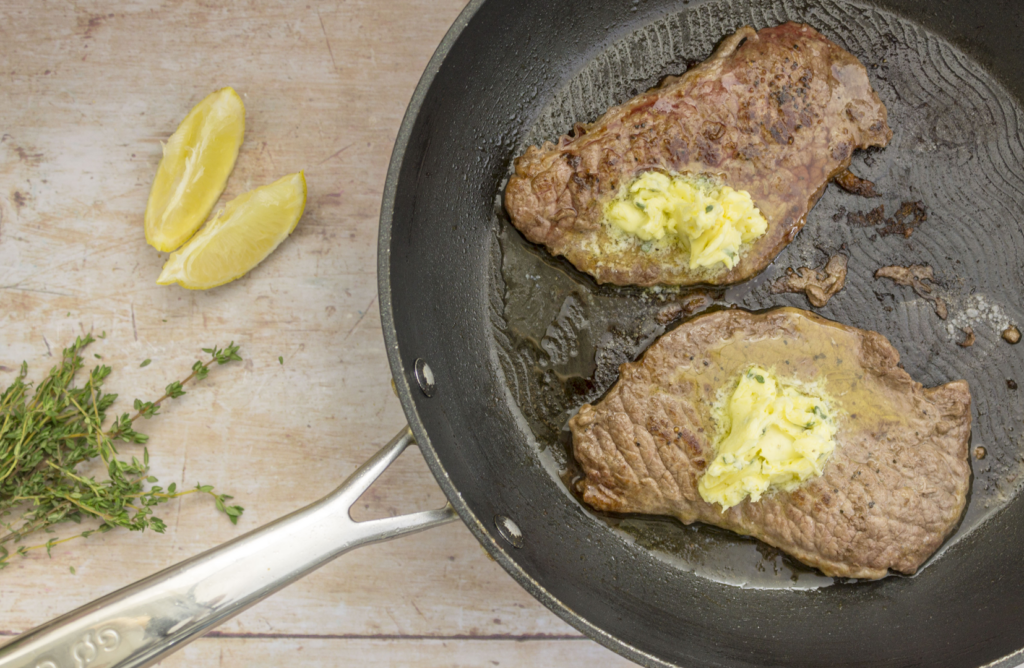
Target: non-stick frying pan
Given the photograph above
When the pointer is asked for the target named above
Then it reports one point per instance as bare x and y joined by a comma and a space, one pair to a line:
493, 344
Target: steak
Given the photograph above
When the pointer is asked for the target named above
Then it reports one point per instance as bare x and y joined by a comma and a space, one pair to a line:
892, 491
776, 112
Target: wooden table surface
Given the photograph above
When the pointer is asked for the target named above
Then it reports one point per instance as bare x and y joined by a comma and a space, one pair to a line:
90, 90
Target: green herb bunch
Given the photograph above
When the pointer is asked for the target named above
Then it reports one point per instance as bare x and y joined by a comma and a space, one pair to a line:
45, 437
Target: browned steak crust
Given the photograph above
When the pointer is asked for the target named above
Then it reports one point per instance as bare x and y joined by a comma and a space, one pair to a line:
892, 491
776, 112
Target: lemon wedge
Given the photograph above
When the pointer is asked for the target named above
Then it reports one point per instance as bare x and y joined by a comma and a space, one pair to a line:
197, 160
239, 237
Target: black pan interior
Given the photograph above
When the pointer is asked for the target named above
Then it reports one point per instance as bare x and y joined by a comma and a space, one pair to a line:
517, 340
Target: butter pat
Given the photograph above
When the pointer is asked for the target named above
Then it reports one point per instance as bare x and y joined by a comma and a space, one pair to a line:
708, 220
771, 435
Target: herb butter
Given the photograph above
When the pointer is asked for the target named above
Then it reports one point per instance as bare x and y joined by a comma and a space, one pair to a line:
771, 435
709, 220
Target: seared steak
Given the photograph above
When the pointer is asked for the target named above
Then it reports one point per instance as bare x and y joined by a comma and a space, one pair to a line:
892, 491
776, 113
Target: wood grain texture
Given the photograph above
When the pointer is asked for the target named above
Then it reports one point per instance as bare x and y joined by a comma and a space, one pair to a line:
374, 653
90, 90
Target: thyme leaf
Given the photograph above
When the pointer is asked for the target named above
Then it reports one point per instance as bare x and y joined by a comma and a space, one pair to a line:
46, 435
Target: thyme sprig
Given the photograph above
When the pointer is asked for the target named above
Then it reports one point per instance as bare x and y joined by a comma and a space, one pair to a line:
45, 437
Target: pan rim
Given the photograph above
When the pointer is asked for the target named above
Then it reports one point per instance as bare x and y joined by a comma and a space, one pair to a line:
482, 530
401, 377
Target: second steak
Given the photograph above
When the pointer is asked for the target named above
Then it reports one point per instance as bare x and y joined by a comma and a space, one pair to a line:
893, 490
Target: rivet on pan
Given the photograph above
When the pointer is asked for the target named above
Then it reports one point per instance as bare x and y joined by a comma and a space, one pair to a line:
508, 530
424, 377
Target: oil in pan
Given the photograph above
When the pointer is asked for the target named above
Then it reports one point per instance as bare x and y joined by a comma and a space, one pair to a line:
954, 162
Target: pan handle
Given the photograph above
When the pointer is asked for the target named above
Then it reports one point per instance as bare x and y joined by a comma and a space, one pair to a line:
140, 624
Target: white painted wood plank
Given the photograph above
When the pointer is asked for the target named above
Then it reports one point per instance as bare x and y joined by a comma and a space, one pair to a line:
90, 90
413, 653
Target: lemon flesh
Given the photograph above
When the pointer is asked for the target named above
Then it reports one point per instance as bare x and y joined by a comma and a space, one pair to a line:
239, 237
197, 160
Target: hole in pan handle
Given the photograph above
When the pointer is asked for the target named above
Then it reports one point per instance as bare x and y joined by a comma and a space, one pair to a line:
141, 623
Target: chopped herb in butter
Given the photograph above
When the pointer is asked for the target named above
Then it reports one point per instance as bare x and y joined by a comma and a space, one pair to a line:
708, 220
771, 435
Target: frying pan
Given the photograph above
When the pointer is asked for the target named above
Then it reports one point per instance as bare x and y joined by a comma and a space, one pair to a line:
493, 344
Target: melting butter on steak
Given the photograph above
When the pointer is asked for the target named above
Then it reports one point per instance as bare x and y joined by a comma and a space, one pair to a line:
776, 113
891, 493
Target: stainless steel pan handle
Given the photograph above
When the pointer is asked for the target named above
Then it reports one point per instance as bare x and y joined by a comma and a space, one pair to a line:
140, 624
